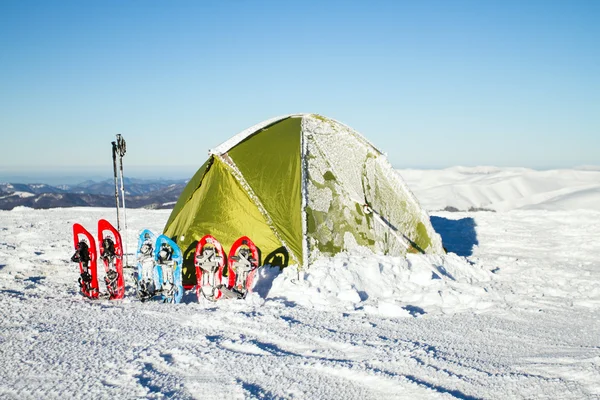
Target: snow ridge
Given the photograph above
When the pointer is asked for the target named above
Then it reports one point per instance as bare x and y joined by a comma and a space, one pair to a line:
503, 189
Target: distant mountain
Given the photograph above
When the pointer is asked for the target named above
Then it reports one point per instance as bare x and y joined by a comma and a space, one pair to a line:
33, 188
133, 187
139, 194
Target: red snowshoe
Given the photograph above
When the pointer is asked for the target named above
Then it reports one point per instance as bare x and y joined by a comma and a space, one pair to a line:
111, 253
85, 255
209, 260
243, 262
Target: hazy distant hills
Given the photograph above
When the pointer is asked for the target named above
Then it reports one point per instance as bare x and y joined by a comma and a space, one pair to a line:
139, 194
133, 187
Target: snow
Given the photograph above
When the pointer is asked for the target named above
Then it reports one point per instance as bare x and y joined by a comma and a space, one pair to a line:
504, 189
512, 311
343, 172
234, 140
367, 283
19, 194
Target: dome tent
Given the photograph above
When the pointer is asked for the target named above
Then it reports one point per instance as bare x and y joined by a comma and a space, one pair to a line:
300, 186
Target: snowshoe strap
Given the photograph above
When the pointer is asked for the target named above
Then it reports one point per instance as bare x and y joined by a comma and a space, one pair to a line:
108, 247
86, 277
85, 281
82, 253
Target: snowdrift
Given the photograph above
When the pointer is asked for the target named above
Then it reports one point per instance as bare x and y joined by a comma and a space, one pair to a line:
383, 285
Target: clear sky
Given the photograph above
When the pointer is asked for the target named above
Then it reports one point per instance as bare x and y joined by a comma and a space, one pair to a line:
432, 83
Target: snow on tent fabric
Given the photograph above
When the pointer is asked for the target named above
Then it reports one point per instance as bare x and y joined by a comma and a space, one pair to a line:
301, 186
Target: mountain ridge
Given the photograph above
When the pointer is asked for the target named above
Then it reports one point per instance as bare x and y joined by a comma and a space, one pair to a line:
140, 193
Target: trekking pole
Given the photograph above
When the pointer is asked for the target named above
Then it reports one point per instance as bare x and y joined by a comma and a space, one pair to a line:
114, 157
122, 148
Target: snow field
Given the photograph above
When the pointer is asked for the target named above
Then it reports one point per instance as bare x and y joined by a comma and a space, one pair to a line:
512, 311
504, 189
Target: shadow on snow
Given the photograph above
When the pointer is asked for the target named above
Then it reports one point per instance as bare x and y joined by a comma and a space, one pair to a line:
458, 235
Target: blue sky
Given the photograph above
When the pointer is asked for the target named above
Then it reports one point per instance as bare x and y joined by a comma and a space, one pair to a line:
433, 83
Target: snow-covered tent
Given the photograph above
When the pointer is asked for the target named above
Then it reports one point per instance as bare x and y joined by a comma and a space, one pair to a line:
300, 186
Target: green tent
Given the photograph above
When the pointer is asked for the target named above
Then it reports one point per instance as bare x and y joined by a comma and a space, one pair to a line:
300, 186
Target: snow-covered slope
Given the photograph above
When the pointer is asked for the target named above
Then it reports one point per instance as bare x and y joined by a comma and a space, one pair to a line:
513, 311
503, 189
